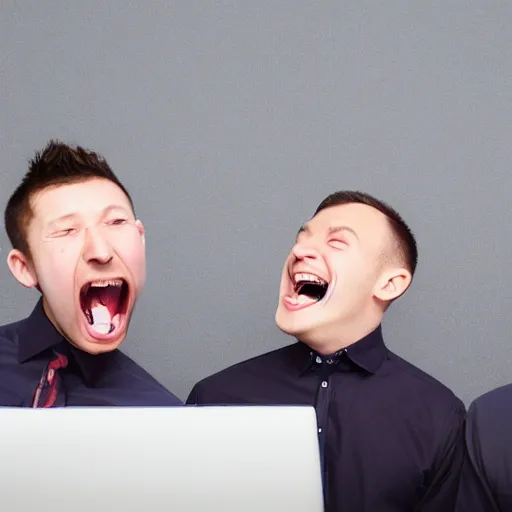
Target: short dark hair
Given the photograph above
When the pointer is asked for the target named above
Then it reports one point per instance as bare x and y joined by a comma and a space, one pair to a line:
57, 164
403, 235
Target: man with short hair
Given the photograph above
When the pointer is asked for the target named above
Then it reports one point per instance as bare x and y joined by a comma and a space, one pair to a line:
75, 239
390, 435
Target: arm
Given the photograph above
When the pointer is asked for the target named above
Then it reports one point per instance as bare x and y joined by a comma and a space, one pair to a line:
475, 491
193, 397
443, 480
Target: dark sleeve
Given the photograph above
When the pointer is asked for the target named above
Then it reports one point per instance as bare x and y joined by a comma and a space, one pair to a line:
443, 482
475, 493
194, 397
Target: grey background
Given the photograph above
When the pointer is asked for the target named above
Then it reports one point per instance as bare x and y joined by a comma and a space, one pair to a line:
230, 121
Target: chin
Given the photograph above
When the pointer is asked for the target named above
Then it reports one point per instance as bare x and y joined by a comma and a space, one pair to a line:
282, 322
95, 348
95, 344
290, 324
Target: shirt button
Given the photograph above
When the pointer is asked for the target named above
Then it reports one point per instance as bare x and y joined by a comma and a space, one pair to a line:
319, 430
324, 384
318, 359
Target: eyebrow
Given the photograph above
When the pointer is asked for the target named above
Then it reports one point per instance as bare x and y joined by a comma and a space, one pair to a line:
303, 229
335, 229
71, 216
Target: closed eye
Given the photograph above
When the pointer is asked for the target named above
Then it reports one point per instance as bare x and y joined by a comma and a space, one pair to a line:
63, 232
337, 243
118, 222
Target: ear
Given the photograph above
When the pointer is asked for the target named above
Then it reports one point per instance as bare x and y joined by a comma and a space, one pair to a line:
142, 231
21, 268
391, 284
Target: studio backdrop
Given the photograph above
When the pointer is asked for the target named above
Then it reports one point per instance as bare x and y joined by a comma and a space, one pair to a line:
229, 122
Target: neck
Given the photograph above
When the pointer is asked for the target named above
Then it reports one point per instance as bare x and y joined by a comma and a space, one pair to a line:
49, 315
48, 312
337, 337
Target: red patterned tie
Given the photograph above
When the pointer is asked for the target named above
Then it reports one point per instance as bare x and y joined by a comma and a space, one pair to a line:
48, 388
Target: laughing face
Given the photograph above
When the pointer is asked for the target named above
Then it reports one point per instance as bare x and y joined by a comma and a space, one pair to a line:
339, 276
87, 257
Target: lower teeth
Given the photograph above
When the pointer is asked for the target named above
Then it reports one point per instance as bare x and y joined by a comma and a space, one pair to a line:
100, 319
302, 299
103, 328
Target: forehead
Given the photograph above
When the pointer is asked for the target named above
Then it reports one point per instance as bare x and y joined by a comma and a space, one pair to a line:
363, 219
80, 198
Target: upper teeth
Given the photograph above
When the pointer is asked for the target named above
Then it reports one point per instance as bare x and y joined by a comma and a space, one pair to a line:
107, 282
307, 277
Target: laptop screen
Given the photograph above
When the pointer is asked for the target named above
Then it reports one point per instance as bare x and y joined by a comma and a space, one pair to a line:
241, 459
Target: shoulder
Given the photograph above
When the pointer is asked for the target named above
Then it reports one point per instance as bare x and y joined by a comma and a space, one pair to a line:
498, 399
9, 336
255, 365
426, 395
144, 382
10, 331
250, 371
492, 411
420, 380
488, 427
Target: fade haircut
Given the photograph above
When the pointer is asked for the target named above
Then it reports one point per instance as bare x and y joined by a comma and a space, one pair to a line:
405, 242
57, 164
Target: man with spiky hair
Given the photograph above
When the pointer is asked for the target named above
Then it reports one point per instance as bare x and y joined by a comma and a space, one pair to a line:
75, 238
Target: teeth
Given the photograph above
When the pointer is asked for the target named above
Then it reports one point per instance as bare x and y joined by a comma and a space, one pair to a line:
301, 299
100, 315
101, 319
307, 277
102, 328
106, 282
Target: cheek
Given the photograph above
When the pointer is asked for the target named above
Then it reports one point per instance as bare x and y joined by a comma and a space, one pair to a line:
350, 265
55, 264
284, 270
133, 253
285, 279
351, 275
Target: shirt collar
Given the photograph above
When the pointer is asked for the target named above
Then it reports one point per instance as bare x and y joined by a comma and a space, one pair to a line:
368, 353
38, 334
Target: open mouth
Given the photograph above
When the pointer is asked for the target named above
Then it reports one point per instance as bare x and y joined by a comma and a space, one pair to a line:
103, 302
308, 290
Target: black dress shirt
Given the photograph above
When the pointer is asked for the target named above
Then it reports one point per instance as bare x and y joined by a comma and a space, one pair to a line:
391, 436
486, 482
110, 379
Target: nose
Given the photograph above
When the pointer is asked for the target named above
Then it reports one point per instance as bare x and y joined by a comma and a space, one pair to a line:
304, 251
97, 249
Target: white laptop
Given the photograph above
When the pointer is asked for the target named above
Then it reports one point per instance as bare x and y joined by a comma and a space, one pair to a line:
225, 459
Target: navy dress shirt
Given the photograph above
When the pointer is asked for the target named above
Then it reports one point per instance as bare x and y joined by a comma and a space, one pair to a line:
391, 436
110, 379
486, 481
